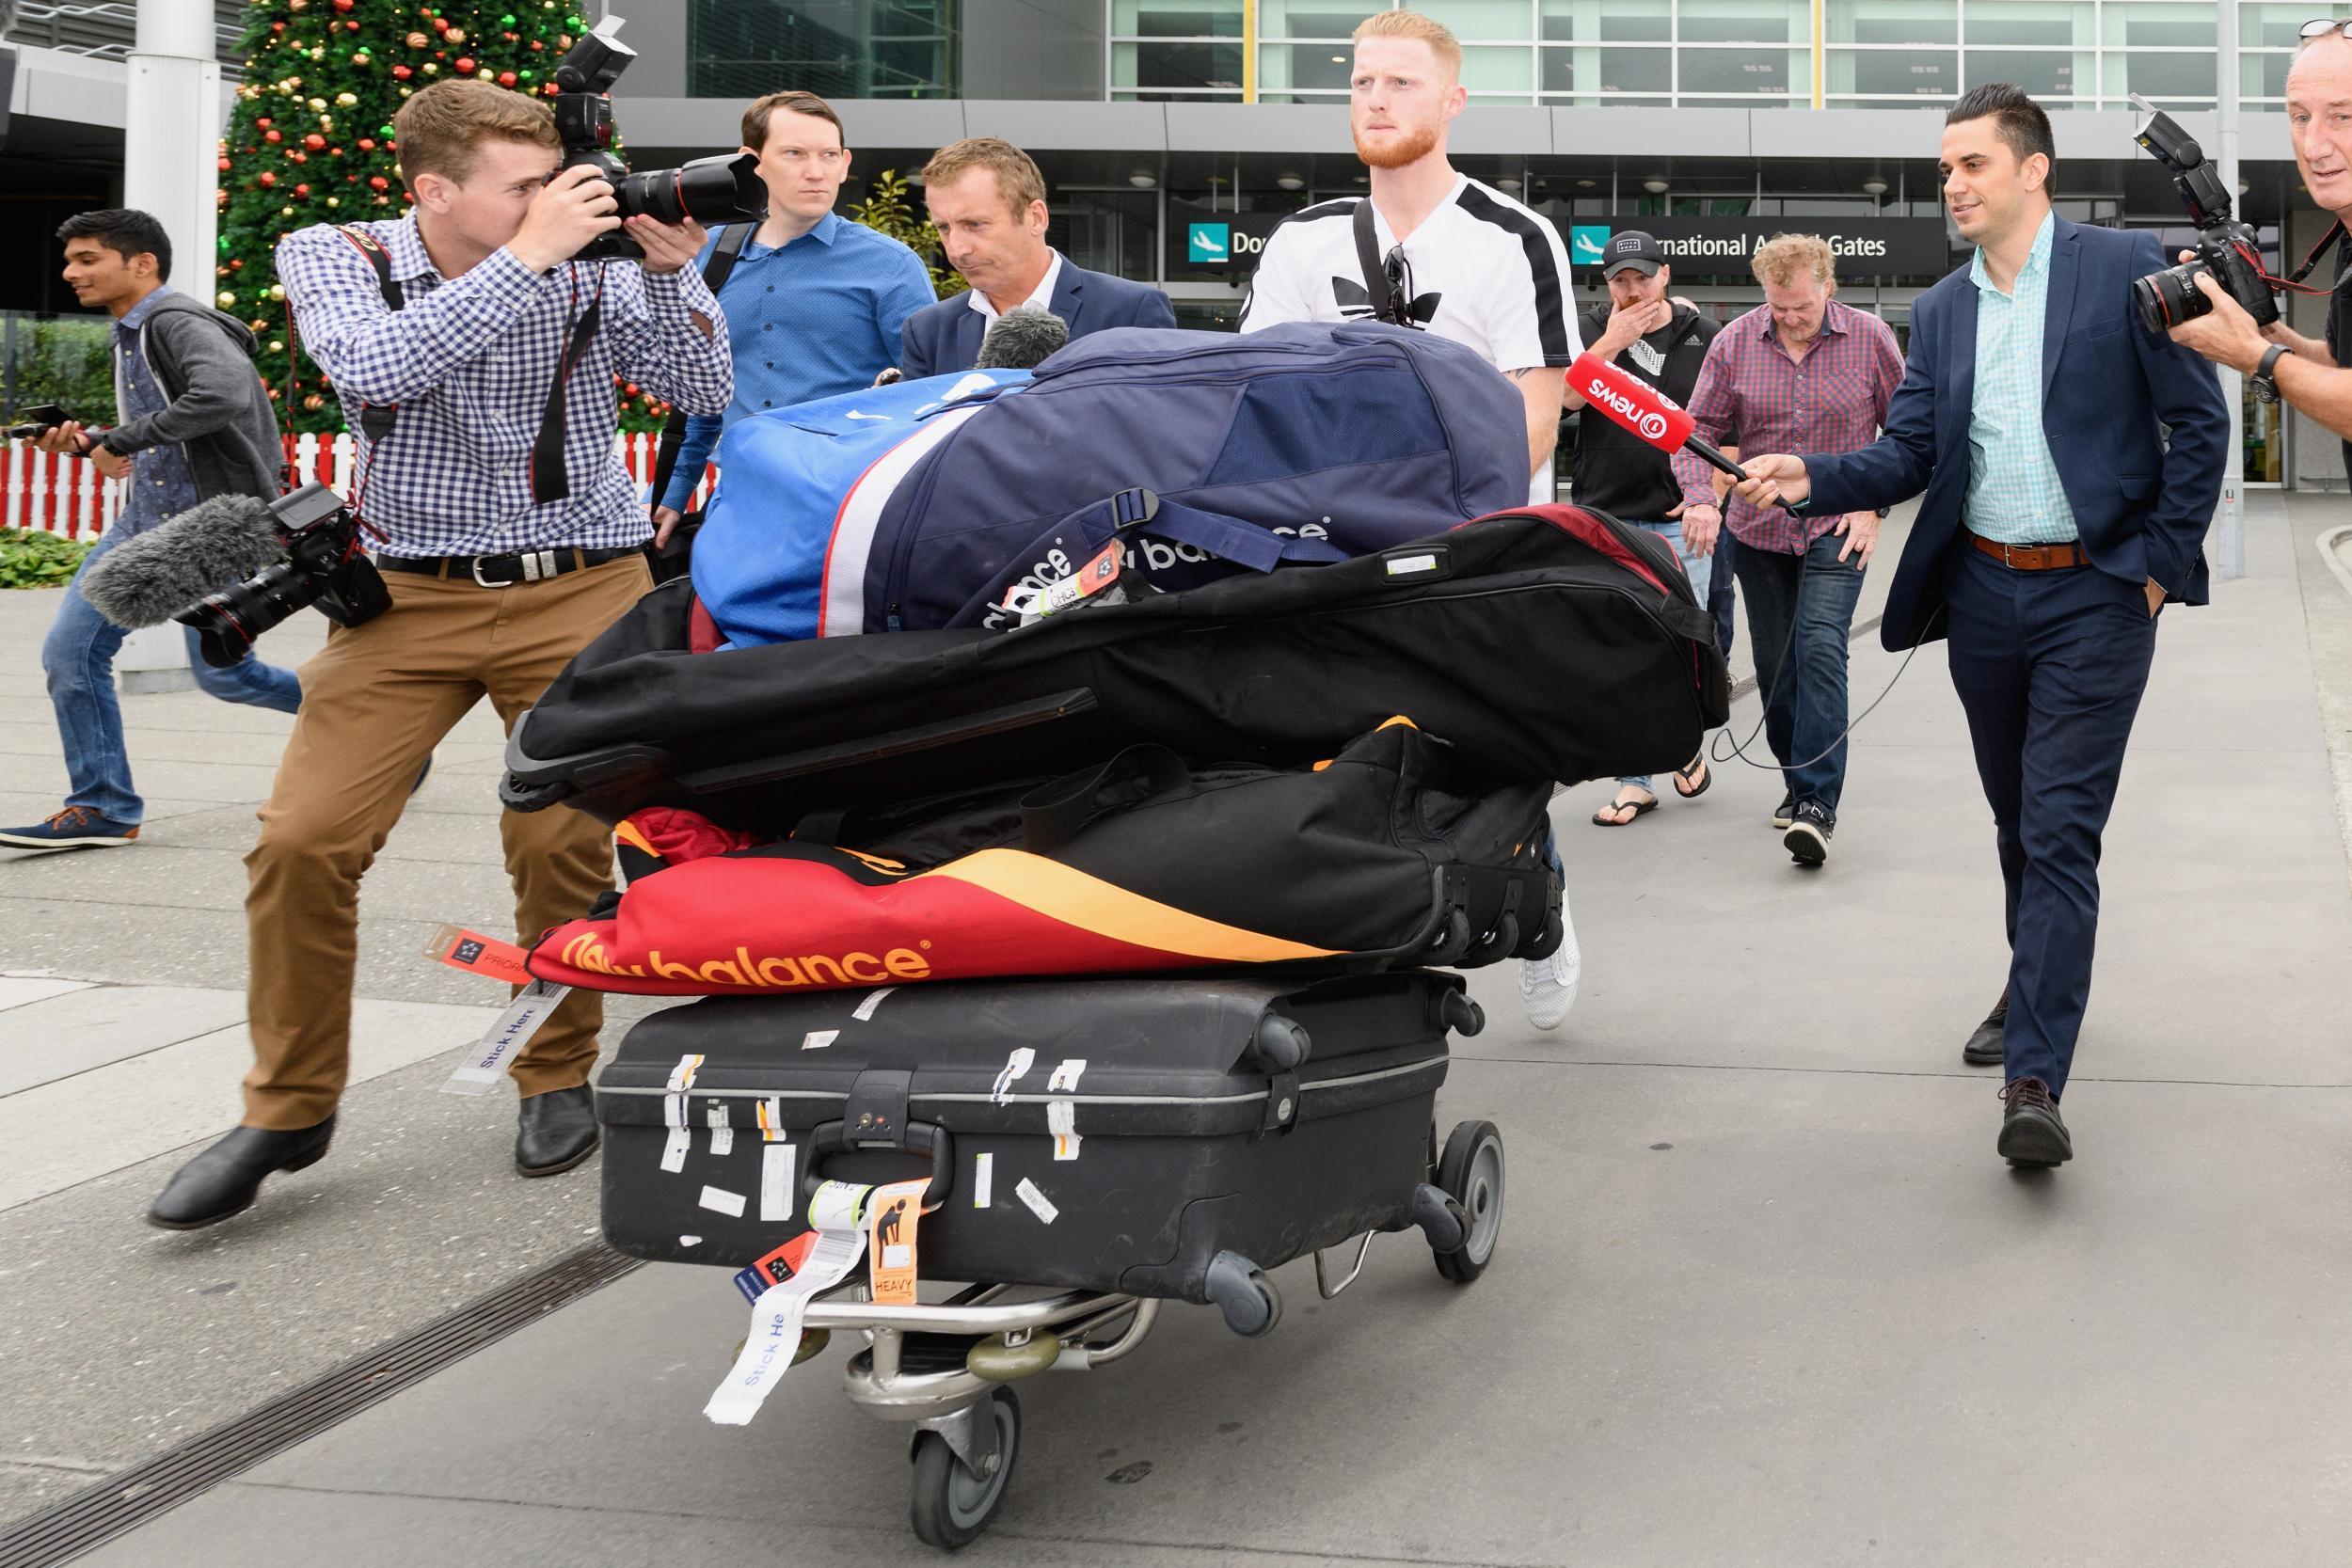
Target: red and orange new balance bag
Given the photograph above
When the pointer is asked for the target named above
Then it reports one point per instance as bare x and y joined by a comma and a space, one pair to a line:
1376, 858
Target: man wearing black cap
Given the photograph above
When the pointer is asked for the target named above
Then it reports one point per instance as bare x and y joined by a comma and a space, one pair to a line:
1643, 332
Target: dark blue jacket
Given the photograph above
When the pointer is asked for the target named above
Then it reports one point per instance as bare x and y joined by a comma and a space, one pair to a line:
944, 337
2142, 505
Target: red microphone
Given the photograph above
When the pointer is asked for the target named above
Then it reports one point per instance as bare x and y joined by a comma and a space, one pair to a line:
1624, 399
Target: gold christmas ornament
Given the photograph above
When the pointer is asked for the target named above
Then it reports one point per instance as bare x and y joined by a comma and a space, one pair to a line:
224, 300
347, 99
277, 291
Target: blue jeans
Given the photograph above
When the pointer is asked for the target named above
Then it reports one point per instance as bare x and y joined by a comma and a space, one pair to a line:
2050, 667
1803, 679
1693, 566
79, 657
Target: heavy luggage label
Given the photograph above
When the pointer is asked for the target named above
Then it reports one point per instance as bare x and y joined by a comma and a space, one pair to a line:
891, 1216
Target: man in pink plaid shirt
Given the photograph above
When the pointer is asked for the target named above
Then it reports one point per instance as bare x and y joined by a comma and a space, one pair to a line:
1803, 367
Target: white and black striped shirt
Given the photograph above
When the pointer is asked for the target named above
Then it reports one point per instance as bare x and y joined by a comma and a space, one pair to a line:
1484, 271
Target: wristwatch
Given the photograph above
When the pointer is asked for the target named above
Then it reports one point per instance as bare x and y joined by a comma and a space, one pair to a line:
2266, 389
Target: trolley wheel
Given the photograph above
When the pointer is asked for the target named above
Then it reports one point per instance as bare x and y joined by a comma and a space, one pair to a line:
952, 1505
1470, 1173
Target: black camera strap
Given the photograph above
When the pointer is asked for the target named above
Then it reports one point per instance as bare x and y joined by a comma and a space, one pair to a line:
375, 419
715, 272
550, 479
2335, 236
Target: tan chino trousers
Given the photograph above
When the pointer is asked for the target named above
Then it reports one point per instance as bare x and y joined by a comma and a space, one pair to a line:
376, 702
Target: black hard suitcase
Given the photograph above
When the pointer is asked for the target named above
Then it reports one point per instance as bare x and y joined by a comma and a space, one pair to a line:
1221, 1113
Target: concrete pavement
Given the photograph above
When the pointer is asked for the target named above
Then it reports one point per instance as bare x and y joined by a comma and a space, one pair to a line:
1765, 1293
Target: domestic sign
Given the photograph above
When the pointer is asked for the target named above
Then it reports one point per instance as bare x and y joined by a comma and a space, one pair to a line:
1206, 243
1721, 247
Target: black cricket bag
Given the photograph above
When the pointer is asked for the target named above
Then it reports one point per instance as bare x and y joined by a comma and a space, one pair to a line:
1227, 1111
1549, 644
1374, 858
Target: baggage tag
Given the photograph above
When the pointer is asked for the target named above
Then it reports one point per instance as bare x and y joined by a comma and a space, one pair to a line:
481, 1070
721, 1136
776, 1319
478, 955
1097, 576
1016, 1064
891, 1217
776, 1267
1061, 1119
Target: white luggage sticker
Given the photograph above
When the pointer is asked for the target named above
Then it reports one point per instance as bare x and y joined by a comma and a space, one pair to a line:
530, 1008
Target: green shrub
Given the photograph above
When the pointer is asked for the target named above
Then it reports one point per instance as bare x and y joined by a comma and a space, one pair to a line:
33, 560
70, 363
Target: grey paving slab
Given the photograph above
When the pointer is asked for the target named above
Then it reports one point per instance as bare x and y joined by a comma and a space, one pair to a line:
1747, 1317
16, 991
70, 1034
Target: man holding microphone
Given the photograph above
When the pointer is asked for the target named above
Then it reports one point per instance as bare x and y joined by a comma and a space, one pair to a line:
2058, 521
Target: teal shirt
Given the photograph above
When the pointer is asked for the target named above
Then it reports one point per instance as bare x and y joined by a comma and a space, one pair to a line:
2014, 497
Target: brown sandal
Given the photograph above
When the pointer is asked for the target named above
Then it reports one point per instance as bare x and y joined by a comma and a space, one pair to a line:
1602, 819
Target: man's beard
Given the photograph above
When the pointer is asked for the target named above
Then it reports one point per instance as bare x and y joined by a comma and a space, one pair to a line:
1415, 146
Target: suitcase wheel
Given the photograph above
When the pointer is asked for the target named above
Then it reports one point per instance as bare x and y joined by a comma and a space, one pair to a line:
1470, 1173
1243, 1292
952, 1503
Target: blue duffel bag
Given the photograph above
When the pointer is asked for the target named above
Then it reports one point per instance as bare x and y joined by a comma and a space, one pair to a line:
933, 503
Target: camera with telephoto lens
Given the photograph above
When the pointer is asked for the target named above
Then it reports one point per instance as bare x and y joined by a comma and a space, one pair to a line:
323, 566
2228, 250
715, 190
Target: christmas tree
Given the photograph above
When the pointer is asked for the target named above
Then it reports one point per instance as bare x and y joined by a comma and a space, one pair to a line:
310, 141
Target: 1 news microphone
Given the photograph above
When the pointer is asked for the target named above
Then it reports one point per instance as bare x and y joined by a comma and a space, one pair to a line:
1624, 399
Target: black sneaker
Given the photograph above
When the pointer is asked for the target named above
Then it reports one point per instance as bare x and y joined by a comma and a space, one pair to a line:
2032, 1132
1809, 827
1783, 812
75, 828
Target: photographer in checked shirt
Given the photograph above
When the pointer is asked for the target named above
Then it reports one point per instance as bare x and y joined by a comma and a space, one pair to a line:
509, 535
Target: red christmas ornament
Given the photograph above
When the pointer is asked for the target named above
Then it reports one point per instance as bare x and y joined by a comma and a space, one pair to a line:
297, 157
465, 65
315, 141
277, 26
400, 74
263, 121
506, 78
302, 190
629, 390
268, 178
377, 181
366, 144
272, 138
342, 5
224, 165
351, 26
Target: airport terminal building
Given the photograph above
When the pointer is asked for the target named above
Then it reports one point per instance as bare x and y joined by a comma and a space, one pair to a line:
1174, 134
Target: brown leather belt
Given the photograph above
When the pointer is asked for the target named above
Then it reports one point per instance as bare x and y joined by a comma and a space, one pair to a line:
2032, 557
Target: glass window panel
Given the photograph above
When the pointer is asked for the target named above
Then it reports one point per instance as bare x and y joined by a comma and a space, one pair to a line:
1614, 21
1153, 19
1891, 21
1498, 69
2162, 76
2026, 22
1307, 65
837, 48
2275, 26
1636, 70
2146, 27
1314, 18
2046, 75
1156, 65
1472, 20
1744, 21
2262, 76
1556, 71
1905, 72
1722, 71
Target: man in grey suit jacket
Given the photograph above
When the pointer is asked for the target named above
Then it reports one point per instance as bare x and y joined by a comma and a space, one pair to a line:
987, 199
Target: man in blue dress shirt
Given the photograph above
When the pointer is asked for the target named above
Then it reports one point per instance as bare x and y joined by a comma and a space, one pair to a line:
815, 302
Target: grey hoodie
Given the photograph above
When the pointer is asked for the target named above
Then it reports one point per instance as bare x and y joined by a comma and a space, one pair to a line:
220, 412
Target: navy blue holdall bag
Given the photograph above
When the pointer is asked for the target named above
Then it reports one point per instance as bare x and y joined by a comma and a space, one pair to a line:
924, 505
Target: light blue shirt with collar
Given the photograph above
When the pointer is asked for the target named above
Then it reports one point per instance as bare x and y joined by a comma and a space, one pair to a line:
2014, 497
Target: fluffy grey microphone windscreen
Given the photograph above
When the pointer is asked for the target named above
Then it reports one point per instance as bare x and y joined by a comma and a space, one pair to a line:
151, 576
1020, 339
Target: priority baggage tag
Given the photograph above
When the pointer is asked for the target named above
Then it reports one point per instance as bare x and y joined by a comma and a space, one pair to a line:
487, 1063
891, 1215
1061, 1120
478, 955
775, 1333
775, 1268
1016, 1064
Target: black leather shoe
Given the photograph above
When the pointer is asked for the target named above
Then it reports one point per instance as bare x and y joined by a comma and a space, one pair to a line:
2032, 1132
224, 1179
1984, 1047
555, 1132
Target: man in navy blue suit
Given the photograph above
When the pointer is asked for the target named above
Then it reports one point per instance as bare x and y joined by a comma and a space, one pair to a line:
2057, 523
987, 199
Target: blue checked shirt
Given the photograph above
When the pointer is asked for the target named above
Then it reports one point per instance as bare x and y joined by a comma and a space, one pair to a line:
2014, 497
469, 360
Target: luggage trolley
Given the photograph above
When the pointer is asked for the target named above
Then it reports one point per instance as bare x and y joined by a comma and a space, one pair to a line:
1231, 1121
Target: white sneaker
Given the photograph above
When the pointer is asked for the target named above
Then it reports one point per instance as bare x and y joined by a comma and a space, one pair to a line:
1547, 985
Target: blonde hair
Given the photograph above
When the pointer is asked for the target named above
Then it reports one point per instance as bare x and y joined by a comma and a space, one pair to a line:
1412, 24
1018, 180
1780, 260
440, 130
